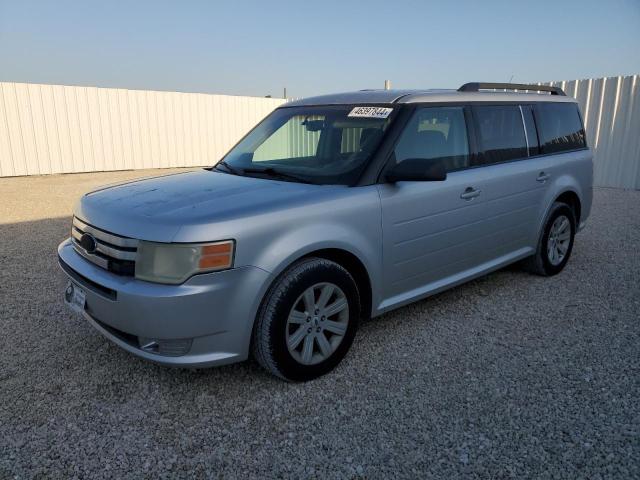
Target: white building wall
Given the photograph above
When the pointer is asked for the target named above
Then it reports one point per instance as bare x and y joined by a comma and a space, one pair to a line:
59, 129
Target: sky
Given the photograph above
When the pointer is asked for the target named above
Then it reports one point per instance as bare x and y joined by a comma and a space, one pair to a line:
259, 47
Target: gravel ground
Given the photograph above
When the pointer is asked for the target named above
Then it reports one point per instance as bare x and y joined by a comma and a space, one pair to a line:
509, 376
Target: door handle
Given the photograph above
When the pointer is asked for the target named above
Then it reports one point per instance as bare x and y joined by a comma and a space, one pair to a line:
543, 177
470, 193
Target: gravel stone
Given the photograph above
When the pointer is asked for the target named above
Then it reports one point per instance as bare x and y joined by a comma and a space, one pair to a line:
508, 376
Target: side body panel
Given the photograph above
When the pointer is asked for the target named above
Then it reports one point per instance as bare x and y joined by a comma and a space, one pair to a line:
429, 233
569, 172
433, 240
514, 198
448, 245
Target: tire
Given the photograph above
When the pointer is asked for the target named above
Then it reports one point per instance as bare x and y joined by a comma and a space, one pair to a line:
285, 310
544, 262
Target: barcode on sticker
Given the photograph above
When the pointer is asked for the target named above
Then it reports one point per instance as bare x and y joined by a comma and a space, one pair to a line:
370, 112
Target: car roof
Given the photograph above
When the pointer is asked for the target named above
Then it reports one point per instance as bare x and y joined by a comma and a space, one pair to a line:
425, 96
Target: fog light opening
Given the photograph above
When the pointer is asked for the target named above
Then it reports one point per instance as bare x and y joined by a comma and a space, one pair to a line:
168, 348
148, 345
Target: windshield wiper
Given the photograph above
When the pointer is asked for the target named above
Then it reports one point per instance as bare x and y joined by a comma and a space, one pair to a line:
229, 168
272, 172
269, 171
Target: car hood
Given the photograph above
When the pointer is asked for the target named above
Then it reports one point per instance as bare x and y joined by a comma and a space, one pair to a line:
156, 209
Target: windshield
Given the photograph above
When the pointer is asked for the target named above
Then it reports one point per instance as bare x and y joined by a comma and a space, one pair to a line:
322, 145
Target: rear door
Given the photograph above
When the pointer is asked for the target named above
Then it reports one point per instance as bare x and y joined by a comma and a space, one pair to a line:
516, 179
432, 231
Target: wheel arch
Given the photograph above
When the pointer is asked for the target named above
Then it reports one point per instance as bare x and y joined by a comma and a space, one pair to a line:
356, 268
347, 259
572, 199
566, 192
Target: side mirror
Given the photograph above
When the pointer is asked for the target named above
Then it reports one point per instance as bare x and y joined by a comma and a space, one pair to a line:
417, 170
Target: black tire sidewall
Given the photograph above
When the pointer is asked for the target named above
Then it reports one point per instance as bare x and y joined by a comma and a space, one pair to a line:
556, 210
320, 271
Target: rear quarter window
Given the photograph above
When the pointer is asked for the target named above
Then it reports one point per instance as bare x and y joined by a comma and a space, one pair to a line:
559, 127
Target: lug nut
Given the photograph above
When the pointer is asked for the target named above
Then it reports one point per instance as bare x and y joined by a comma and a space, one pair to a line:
308, 319
309, 330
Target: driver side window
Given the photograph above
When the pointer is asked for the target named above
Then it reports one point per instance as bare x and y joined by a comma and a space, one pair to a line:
436, 134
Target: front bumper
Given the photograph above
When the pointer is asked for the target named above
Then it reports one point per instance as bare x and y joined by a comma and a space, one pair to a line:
211, 315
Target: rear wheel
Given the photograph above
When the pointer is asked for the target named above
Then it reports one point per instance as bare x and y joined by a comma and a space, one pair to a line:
555, 243
307, 321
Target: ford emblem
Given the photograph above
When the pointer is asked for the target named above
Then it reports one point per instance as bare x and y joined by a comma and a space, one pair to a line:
88, 242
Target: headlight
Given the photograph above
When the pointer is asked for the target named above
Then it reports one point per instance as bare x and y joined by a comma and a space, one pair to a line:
174, 263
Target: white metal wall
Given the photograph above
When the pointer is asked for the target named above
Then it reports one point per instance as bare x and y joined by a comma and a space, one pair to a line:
59, 129
611, 110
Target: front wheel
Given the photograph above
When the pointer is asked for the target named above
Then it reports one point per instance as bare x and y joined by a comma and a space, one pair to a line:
555, 243
307, 321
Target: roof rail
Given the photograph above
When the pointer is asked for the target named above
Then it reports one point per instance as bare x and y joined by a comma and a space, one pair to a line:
476, 86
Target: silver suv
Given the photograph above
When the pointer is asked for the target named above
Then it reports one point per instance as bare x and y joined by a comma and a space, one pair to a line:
332, 210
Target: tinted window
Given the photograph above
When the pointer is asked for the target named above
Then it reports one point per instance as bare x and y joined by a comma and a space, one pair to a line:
438, 134
559, 127
530, 129
501, 133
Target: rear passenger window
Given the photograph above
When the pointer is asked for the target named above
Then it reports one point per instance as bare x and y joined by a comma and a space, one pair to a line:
501, 133
560, 127
438, 134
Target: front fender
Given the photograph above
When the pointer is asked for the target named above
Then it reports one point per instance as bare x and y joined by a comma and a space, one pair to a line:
294, 244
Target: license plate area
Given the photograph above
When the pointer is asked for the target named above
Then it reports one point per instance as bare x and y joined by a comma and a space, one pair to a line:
75, 297
88, 284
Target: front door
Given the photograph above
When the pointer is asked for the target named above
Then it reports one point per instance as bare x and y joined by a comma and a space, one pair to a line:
432, 231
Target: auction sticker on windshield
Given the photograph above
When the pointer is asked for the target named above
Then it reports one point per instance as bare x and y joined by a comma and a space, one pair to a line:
370, 112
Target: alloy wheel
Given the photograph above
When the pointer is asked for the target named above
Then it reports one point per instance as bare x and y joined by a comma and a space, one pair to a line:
317, 323
559, 240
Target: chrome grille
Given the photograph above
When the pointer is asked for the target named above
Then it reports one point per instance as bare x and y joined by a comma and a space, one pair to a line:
112, 252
